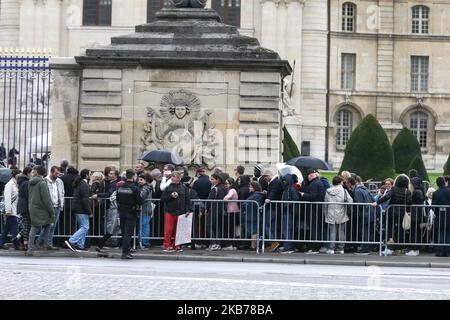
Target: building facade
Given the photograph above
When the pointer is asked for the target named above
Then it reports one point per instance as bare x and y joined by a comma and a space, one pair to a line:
391, 58
350, 58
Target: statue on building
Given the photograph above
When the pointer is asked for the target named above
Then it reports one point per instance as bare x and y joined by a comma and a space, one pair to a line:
189, 3
181, 126
288, 110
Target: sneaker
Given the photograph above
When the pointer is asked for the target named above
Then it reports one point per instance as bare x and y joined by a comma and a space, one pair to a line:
168, 250
311, 252
69, 245
78, 249
339, 252
390, 241
179, 250
387, 252
216, 247
127, 257
362, 252
412, 253
286, 251
323, 250
230, 248
329, 251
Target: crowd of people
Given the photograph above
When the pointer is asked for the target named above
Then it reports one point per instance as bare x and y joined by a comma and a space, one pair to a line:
227, 209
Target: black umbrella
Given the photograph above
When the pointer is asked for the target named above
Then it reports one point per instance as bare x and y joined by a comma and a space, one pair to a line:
309, 162
5, 175
162, 156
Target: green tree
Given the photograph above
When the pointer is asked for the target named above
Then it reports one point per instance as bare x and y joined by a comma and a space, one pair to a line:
290, 149
417, 164
369, 153
447, 166
405, 148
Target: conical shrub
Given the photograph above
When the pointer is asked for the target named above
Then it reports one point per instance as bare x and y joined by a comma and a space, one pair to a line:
447, 166
369, 153
290, 149
405, 148
417, 164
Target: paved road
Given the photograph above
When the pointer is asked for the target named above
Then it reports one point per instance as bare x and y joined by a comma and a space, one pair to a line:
63, 278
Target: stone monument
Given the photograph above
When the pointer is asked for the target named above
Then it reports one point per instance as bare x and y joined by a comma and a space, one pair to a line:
187, 83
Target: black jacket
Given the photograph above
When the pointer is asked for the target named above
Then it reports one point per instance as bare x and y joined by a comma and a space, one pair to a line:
81, 202
68, 180
441, 197
314, 192
275, 190
22, 203
217, 193
397, 196
242, 184
128, 199
181, 204
202, 186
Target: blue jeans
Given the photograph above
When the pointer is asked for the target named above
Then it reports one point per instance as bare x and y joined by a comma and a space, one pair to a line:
145, 230
79, 237
11, 226
271, 222
444, 238
52, 228
287, 226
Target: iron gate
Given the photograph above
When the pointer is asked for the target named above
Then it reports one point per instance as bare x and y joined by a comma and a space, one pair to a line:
25, 86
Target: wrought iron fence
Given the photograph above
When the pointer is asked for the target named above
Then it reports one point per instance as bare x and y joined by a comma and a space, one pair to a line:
25, 88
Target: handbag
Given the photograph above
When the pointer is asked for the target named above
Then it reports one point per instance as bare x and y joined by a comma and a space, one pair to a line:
406, 223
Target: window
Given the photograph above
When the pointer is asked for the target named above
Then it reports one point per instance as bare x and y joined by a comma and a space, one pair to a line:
420, 19
229, 10
348, 71
154, 5
419, 127
349, 17
419, 73
344, 128
97, 12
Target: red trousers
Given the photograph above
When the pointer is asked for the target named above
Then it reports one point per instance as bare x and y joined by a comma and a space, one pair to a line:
170, 230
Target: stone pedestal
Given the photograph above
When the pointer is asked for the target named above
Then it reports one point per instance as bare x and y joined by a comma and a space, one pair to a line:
187, 83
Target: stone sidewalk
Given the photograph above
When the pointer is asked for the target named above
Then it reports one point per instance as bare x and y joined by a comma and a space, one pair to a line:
424, 260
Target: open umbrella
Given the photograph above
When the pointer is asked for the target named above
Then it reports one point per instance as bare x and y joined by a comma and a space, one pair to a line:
162, 156
284, 169
309, 162
5, 175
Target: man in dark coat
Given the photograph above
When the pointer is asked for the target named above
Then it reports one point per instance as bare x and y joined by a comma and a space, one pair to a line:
22, 204
274, 193
40, 206
441, 197
202, 185
258, 177
313, 191
128, 200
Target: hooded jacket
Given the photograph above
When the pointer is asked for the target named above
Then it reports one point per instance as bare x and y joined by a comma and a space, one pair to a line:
40, 203
337, 213
242, 184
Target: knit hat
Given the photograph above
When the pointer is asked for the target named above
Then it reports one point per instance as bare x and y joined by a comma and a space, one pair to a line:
259, 167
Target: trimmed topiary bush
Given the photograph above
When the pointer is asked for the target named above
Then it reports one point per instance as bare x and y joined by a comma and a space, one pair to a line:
369, 153
290, 149
405, 148
417, 164
447, 166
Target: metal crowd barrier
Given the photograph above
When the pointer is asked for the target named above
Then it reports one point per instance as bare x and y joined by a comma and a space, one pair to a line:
427, 227
289, 223
306, 222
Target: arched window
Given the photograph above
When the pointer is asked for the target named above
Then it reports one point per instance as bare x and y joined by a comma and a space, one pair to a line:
418, 124
349, 17
344, 128
229, 10
154, 6
97, 12
420, 19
